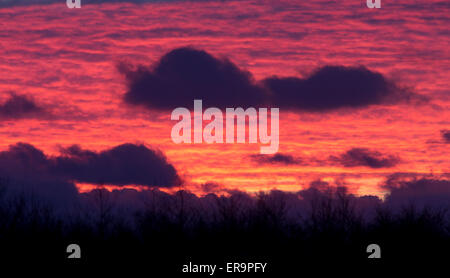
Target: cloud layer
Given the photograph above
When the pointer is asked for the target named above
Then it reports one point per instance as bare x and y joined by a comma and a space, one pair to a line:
10, 3
46, 56
354, 157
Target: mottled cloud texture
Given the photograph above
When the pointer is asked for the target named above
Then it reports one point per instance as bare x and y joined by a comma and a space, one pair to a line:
10, 3
66, 59
185, 74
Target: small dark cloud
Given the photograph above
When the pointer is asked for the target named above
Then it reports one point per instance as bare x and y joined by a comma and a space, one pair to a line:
20, 106
333, 87
445, 135
210, 187
185, 74
277, 158
362, 157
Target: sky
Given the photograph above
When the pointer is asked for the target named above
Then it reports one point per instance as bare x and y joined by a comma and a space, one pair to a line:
87, 94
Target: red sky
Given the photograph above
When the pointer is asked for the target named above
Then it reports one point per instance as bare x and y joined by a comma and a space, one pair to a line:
66, 60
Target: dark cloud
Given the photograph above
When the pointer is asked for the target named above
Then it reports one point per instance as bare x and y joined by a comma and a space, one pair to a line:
24, 170
319, 185
333, 87
356, 157
185, 74
277, 158
121, 165
20, 106
445, 135
421, 192
210, 187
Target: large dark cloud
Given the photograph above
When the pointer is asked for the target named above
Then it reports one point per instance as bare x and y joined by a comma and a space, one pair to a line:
185, 74
121, 165
20, 106
357, 157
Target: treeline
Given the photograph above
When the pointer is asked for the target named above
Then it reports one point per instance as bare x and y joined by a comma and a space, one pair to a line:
165, 230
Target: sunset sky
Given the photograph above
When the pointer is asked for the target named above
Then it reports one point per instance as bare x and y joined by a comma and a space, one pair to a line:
65, 75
